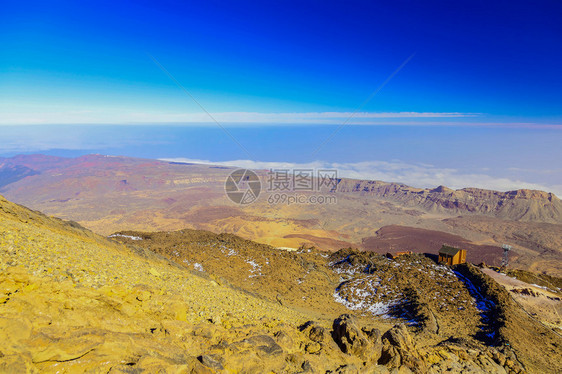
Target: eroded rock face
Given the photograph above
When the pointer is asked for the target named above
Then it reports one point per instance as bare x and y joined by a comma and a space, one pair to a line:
314, 331
354, 341
399, 337
211, 361
399, 350
264, 345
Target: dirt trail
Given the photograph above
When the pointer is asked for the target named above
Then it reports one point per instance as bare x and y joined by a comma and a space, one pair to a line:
541, 303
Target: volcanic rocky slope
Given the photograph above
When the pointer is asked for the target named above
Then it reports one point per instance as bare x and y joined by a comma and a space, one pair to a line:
442, 306
73, 301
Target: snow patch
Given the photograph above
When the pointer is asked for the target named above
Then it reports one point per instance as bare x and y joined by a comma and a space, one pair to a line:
378, 308
288, 249
197, 266
256, 269
125, 236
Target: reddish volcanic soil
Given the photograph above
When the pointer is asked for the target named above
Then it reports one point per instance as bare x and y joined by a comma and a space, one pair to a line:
402, 238
325, 243
209, 214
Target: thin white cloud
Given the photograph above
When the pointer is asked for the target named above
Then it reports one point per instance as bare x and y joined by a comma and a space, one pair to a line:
87, 116
324, 116
116, 116
416, 175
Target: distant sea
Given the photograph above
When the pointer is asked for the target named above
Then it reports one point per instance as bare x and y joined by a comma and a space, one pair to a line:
516, 154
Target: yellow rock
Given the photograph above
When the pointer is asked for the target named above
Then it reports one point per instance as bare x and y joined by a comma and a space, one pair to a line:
144, 296
44, 348
17, 363
313, 347
181, 315
128, 309
433, 359
444, 354
154, 272
159, 365
14, 330
30, 287
8, 286
18, 274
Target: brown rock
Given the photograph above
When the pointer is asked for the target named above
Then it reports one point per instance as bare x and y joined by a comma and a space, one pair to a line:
399, 350
211, 361
352, 340
314, 331
313, 348
263, 345
284, 339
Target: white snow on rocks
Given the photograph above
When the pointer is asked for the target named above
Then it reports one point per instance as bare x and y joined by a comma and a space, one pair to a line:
197, 266
376, 308
125, 236
256, 269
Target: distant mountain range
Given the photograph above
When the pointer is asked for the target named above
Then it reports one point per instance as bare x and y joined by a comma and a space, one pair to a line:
108, 194
518, 205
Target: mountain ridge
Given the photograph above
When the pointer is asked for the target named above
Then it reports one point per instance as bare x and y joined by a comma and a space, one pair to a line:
112, 193
517, 205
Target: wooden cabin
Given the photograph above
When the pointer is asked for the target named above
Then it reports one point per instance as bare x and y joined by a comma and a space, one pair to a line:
451, 255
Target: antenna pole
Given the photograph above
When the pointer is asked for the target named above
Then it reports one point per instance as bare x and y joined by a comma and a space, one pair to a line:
505, 259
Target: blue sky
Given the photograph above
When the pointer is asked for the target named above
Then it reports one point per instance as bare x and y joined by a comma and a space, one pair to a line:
497, 58
490, 68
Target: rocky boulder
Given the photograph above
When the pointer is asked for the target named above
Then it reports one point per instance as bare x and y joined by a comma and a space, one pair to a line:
313, 331
355, 341
399, 350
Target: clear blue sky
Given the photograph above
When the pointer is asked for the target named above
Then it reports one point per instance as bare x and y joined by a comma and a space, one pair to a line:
476, 64
499, 58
